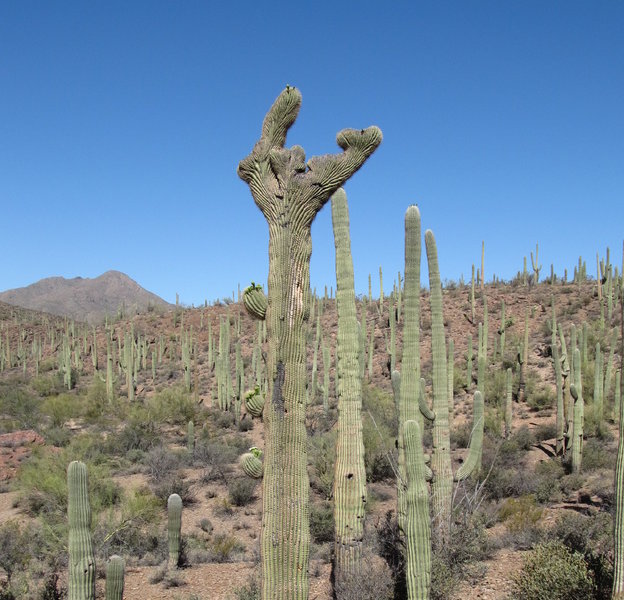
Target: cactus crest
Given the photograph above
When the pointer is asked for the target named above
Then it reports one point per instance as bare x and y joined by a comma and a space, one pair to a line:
251, 463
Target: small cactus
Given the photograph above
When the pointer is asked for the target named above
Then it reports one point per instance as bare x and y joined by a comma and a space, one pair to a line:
174, 513
115, 577
81, 583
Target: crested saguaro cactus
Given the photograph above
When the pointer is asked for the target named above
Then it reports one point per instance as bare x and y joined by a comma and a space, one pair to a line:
174, 514
350, 473
81, 582
290, 192
251, 463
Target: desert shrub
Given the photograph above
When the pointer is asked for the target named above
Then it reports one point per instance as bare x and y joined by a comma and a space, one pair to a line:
547, 431
322, 522
217, 457
15, 547
552, 572
591, 536
172, 405
520, 513
137, 434
96, 403
597, 456
460, 435
322, 457
133, 529
222, 547
374, 582
245, 425
379, 428
206, 525
541, 398
495, 386
61, 408
173, 483
249, 591
161, 461
548, 474
46, 385
21, 407
42, 482
241, 491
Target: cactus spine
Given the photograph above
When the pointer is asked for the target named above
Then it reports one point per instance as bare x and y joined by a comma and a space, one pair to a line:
290, 196
115, 577
81, 583
174, 513
350, 473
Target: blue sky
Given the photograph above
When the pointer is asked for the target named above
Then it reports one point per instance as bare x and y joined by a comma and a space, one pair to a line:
122, 124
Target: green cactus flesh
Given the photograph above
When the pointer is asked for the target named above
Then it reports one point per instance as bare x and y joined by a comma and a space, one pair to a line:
174, 513
251, 465
255, 301
81, 582
115, 577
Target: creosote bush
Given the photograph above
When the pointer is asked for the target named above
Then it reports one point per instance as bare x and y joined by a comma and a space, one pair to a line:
552, 572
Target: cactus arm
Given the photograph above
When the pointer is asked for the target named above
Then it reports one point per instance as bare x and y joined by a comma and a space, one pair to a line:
473, 462
425, 411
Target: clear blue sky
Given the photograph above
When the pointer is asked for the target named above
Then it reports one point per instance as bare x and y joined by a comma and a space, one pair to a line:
122, 124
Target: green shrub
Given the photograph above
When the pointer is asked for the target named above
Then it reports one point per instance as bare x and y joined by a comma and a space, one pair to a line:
172, 405
241, 491
223, 546
322, 457
552, 572
322, 522
596, 455
61, 408
520, 513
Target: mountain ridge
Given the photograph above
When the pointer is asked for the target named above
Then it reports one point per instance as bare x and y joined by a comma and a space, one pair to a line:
84, 298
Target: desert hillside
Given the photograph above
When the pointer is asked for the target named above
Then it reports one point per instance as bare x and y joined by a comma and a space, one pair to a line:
120, 399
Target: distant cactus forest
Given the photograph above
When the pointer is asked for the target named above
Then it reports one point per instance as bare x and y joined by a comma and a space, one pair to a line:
442, 442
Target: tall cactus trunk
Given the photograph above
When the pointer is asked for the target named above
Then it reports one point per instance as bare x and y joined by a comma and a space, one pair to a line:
618, 558
290, 191
409, 389
350, 473
442, 486
418, 526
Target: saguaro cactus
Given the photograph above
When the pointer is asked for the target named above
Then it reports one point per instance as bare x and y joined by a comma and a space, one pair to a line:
251, 463
350, 473
576, 390
442, 485
115, 577
290, 192
409, 387
174, 513
81, 582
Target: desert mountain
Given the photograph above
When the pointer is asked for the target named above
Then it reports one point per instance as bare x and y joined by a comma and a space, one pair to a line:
85, 299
